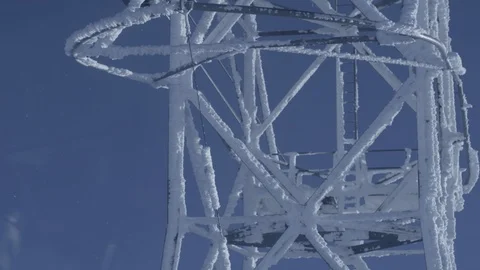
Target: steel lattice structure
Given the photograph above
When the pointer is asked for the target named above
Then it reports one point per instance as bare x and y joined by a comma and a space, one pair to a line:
349, 215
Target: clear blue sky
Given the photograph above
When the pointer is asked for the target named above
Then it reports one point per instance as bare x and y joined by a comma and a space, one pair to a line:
83, 153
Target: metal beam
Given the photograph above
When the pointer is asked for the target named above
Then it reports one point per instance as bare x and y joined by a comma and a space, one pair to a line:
176, 135
300, 14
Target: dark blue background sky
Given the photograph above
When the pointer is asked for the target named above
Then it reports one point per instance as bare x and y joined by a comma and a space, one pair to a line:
83, 153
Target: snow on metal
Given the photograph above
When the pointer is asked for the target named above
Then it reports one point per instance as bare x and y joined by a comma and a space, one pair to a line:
357, 210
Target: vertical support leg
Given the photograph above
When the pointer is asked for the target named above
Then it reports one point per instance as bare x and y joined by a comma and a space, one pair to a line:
176, 181
429, 170
249, 97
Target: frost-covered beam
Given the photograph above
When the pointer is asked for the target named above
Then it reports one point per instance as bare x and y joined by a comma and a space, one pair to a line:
381, 59
328, 219
429, 171
250, 201
450, 157
384, 119
237, 188
388, 242
201, 160
228, 220
388, 225
325, 6
250, 254
295, 254
265, 106
176, 128
384, 253
282, 12
249, 86
237, 81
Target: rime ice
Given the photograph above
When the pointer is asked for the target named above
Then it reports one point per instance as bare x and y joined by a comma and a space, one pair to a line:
356, 210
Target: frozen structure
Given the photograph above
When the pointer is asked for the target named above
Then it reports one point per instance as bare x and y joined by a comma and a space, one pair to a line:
353, 210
